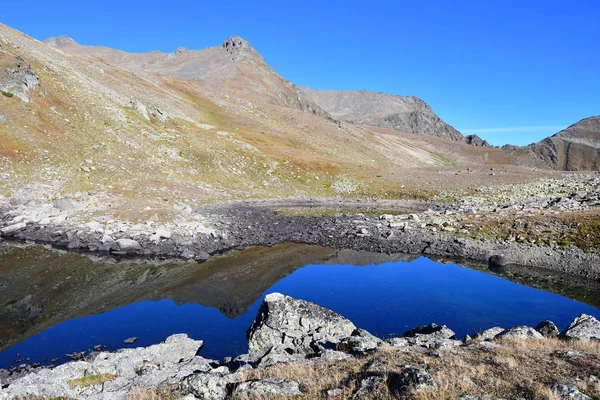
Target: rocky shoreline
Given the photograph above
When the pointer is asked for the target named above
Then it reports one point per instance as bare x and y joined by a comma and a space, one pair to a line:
299, 334
414, 227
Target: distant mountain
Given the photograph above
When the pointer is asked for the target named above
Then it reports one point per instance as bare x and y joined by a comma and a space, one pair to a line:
576, 148
405, 114
234, 67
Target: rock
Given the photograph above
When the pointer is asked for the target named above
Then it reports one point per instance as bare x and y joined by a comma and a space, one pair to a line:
548, 329
160, 234
414, 378
158, 114
520, 332
19, 199
293, 325
489, 334
584, 327
130, 340
202, 256
2, 119
568, 392
368, 388
66, 205
431, 336
467, 339
497, 261
18, 79
205, 386
12, 229
140, 109
128, 245
335, 394
360, 342
333, 355
272, 387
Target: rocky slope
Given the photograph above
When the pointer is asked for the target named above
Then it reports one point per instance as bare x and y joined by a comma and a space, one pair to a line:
576, 148
234, 67
299, 349
142, 133
405, 114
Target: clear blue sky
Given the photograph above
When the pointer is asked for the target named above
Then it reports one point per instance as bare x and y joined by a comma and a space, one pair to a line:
511, 71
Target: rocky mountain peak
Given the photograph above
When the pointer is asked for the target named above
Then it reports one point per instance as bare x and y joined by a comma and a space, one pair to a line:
234, 44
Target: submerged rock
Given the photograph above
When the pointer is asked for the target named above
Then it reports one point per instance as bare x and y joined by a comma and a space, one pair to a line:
584, 327
548, 329
285, 324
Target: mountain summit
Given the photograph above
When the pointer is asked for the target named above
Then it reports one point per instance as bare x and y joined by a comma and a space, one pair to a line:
406, 114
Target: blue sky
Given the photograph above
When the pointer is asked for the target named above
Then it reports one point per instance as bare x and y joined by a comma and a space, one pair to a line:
510, 71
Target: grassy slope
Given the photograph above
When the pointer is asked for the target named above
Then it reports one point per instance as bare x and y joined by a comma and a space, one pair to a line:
80, 134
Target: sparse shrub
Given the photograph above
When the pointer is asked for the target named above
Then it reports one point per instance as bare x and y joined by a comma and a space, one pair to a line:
7, 94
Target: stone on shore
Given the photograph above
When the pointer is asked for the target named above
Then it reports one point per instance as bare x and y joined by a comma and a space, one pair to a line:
128, 245
12, 229
548, 329
520, 332
432, 336
489, 334
584, 327
285, 324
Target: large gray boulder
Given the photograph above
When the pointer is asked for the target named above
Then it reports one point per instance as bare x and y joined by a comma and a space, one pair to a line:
166, 363
205, 386
128, 245
360, 342
272, 387
520, 332
432, 336
489, 334
584, 327
294, 326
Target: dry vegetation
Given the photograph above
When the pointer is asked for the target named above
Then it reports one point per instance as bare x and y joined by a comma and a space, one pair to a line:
524, 369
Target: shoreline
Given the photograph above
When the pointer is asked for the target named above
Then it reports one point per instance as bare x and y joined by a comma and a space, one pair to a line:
238, 225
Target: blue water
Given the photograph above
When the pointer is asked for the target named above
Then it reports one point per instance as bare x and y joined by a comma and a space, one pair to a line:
385, 299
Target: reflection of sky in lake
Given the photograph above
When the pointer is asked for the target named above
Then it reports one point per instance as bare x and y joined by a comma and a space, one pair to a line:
385, 299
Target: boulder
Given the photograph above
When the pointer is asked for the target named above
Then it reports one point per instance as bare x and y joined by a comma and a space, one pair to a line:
130, 340
489, 334
128, 245
12, 229
66, 205
431, 336
205, 386
413, 378
360, 342
520, 332
497, 261
569, 392
548, 329
294, 326
265, 388
369, 388
584, 327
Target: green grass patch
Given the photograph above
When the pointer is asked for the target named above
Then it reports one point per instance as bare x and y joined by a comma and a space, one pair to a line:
90, 380
7, 94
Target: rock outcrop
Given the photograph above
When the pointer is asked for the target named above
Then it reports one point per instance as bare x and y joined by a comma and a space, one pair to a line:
520, 332
432, 336
584, 327
288, 325
18, 79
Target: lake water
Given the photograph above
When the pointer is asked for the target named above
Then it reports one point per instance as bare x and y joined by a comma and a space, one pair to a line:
57, 304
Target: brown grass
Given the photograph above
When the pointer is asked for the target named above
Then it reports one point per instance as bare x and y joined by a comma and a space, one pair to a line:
514, 369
